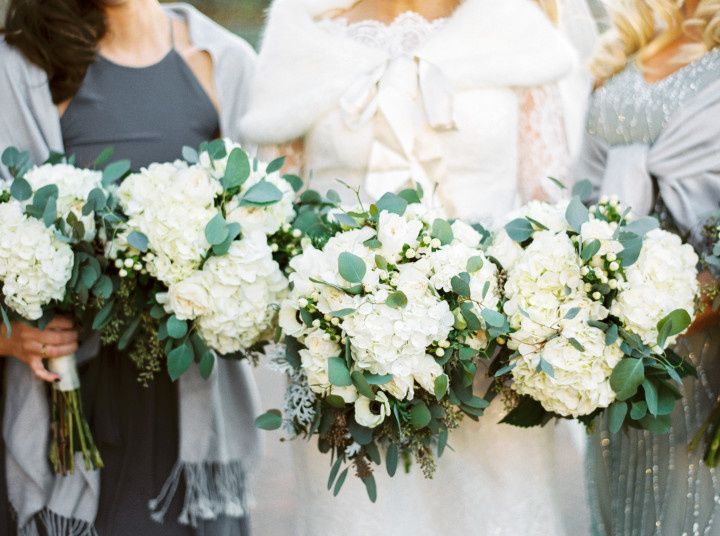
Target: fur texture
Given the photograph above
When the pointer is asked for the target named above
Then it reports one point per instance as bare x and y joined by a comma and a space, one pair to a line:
303, 70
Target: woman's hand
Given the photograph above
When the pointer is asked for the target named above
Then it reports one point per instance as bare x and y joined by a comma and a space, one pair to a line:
31, 345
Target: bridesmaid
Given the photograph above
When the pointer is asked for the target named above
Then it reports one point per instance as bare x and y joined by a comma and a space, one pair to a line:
653, 138
79, 76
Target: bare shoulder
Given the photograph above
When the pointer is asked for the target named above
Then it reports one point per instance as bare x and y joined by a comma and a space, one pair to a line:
199, 61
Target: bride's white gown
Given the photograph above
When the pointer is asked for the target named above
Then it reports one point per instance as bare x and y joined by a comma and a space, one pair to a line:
478, 108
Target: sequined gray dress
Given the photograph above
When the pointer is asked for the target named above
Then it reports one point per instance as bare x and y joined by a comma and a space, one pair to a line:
658, 145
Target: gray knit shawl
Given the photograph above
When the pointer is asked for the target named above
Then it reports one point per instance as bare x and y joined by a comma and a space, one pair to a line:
219, 444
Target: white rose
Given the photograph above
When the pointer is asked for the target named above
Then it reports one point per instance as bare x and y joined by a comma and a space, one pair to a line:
466, 234
401, 387
395, 232
189, 298
349, 394
372, 413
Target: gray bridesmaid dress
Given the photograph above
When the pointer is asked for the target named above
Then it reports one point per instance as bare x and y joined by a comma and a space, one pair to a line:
657, 145
146, 115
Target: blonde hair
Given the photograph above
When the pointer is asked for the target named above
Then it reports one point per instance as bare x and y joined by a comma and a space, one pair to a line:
550, 7
642, 28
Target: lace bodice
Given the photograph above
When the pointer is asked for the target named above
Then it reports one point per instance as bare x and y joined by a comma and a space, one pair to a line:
401, 37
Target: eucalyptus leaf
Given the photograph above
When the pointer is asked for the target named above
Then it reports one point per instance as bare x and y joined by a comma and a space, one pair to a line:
237, 169
626, 377
441, 386
334, 471
576, 214
616, 416
583, 190
190, 155
519, 230
673, 324
589, 250
420, 416
262, 194
474, 264
391, 459
370, 487
632, 246
378, 379
216, 231
179, 360
461, 286
103, 316
651, 396
493, 318
294, 181
642, 226
442, 230
396, 300
206, 365
340, 481
572, 313
50, 212
20, 189
270, 420
338, 373
115, 171
275, 165
362, 385
392, 203
351, 267
138, 240
129, 334
177, 328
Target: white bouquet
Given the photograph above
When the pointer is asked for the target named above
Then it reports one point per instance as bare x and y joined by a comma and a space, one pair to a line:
595, 300
386, 319
51, 263
196, 245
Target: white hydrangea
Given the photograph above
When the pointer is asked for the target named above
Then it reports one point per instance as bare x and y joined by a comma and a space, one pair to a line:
266, 219
548, 309
74, 185
604, 232
384, 340
35, 266
394, 233
506, 250
171, 204
545, 277
663, 279
388, 340
579, 382
233, 298
448, 261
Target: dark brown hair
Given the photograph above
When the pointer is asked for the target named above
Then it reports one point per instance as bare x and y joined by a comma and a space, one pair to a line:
59, 36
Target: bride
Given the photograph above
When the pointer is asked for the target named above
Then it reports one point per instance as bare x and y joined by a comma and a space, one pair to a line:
477, 101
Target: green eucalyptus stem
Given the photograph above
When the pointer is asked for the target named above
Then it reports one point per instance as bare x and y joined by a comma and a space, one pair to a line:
713, 448
69, 430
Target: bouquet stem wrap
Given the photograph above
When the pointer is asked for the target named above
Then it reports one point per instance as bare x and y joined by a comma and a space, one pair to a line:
70, 431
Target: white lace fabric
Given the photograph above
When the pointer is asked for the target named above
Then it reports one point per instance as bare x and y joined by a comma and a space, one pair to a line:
401, 37
542, 143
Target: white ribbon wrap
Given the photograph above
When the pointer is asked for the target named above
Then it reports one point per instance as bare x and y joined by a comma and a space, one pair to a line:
66, 368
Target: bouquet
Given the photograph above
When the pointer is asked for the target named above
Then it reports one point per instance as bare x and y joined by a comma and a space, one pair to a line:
389, 310
50, 263
711, 292
595, 300
195, 264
